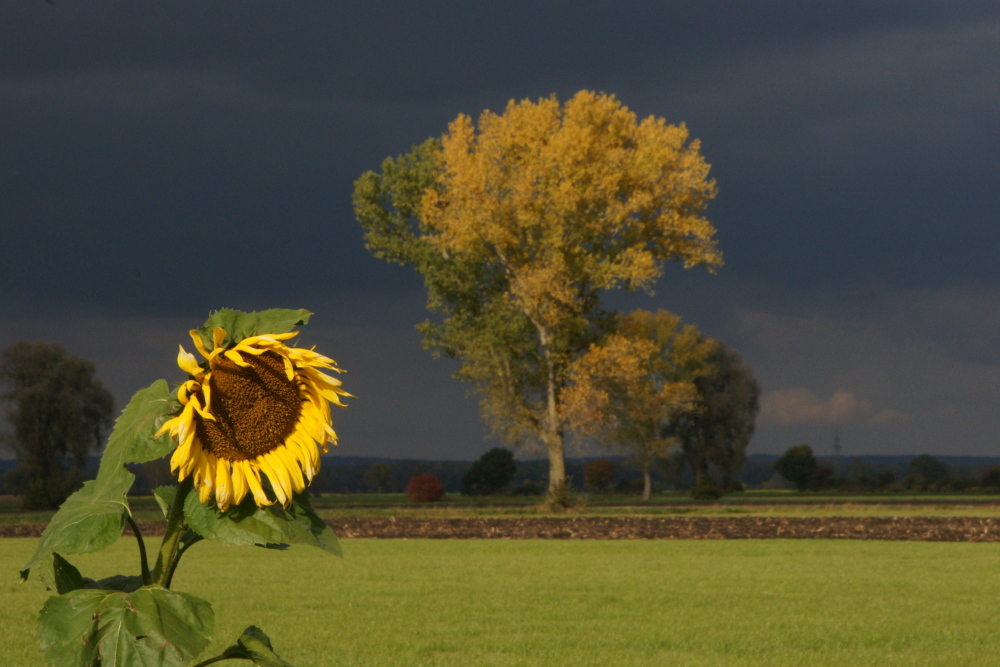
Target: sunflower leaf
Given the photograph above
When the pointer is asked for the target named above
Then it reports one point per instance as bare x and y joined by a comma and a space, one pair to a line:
240, 325
59, 575
149, 626
90, 519
271, 527
132, 439
255, 646
164, 496
93, 517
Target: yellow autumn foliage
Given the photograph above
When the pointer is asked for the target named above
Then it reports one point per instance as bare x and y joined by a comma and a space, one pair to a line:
571, 199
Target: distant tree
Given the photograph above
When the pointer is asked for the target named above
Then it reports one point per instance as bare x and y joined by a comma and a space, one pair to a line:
519, 224
673, 467
798, 465
599, 474
157, 473
378, 477
490, 474
925, 470
857, 474
885, 478
628, 388
716, 431
991, 479
58, 412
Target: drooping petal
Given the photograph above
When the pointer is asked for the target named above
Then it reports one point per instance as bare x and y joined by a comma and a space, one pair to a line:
199, 344
223, 485
188, 363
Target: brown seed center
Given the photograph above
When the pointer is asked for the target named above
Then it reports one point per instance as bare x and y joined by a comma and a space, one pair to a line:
255, 407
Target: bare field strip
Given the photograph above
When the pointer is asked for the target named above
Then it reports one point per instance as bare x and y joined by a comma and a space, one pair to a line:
925, 529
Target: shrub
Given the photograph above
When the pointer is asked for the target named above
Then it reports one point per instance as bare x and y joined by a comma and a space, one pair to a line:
991, 479
705, 488
378, 477
798, 466
528, 488
599, 474
424, 489
490, 474
632, 487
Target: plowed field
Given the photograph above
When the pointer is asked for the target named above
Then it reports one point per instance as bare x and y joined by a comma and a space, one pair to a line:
928, 529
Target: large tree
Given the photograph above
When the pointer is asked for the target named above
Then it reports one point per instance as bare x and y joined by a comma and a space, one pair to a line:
58, 412
716, 431
627, 388
519, 224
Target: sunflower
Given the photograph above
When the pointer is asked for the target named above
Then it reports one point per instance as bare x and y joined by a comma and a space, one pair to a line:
257, 407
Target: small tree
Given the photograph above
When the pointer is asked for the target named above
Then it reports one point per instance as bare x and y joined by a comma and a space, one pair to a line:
378, 477
798, 465
424, 489
59, 412
991, 479
926, 470
628, 388
490, 474
599, 474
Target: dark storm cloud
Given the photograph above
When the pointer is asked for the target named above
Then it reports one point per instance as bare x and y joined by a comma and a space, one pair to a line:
158, 161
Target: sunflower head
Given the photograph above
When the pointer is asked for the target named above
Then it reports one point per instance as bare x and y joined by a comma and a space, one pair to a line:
253, 406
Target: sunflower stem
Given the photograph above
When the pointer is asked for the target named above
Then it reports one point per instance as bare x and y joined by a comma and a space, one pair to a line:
218, 658
170, 548
143, 562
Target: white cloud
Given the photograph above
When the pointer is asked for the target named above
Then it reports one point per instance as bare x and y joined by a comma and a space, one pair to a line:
897, 371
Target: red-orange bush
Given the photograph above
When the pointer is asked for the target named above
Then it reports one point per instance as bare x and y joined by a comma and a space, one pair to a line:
424, 489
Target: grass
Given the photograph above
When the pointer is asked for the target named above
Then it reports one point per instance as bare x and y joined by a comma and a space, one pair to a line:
506, 603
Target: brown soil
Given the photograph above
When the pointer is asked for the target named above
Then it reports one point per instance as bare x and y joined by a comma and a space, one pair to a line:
930, 529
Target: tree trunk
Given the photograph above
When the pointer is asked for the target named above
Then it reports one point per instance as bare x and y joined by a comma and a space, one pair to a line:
557, 467
647, 483
552, 429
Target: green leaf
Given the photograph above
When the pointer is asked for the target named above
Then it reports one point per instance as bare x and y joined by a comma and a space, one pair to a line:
164, 496
89, 520
254, 645
132, 439
118, 582
59, 575
93, 517
150, 627
272, 527
240, 325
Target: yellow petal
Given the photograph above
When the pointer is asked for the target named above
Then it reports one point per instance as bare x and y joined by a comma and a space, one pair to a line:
253, 481
239, 483
187, 362
235, 357
201, 411
218, 336
204, 477
291, 462
181, 457
223, 485
279, 483
206, 391
198, 343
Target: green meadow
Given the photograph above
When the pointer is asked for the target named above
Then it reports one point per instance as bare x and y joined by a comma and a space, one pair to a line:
481, 602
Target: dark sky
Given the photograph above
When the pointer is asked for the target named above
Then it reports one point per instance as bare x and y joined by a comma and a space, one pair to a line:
161, 160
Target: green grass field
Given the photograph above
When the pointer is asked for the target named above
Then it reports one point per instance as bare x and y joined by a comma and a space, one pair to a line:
475, 602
